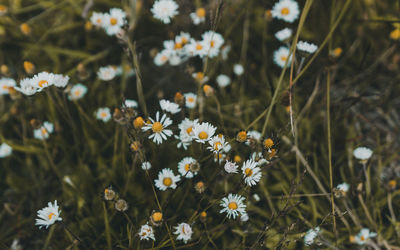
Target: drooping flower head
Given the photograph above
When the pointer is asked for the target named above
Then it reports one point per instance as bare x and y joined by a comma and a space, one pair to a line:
184, 232
48, 215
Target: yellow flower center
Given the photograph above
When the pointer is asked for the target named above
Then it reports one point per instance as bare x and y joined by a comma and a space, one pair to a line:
113, 21
217, 145
284, 58
29, 67
362, 238
248, 171
189, 130
232, 205
103, 115
201, 12
138, 122
3, 8
203, 135
43, 130
285, 11
237, 159
199, 46
157, 216
164, 58
190, 99
42, 83
395, 34
98, 21
77, 92
184, 40
242, 136
167, 181
50, 215
268, 143
212, 44
187, 167
157, 127
199, 76
178, 46
25, 28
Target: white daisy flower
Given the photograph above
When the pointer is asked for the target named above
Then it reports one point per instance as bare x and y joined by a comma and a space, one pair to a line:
114, 21
158, 127
306, 47
344, 187
97, 19
199, 16
166, 179
184, 167
146, 165
42, 80
233, 205
107, 73
362, 153
197, 48
256, 197
231, 167
203, 132
217, 144
214, 42
146, 232
26, 87
283, 34
251, 173
223, 80
182, 39
60, 81
103, 114
225, 51
162, 57
48, 215
311, 235
44, 131
187, 126
6, 84
184, 140
77, 92
5, 150
170, 107
165, 10
190, 100
238, 69
129, 103
184, 232
220, 157
286, 10
364, 236
281, 56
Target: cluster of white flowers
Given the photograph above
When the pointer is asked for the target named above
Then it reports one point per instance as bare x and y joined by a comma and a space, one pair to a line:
112, 22
184, 46
30, 86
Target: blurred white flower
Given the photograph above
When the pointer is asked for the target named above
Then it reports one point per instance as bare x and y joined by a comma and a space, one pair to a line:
114, 21
190, 100
306, 47
170, 107
6, 84
286, 10
281, 56
77, 92
103, 114
223, 80
283, 34
44, 131
364, 236
231, 167
107, 73
238, 69
5, 150
97, 19
146, 165
129, 103
199, 16
165, 10
213, 41
362, 153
